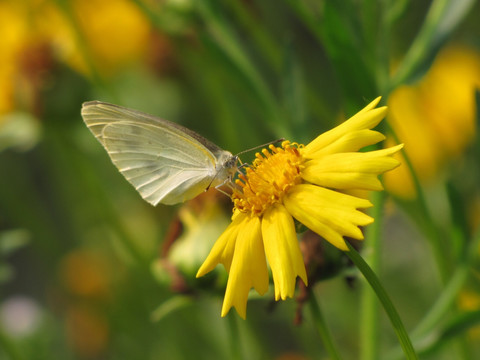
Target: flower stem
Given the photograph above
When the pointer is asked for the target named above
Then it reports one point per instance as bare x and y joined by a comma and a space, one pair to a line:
322, 328
370, 315
385, 300
235, 349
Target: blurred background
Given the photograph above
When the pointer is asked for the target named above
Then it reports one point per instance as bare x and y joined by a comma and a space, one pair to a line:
88, 270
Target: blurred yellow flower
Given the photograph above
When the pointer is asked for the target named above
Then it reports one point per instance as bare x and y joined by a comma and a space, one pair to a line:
87, 274
435, 118
13, 29
116, 33
87, 331
469, 300
296, 181
33, 33
103, 35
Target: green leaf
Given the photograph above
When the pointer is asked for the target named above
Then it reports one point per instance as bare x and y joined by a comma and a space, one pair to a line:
228, 42
170, 306
343, 41
6, 273
12, 240
388, 306
426, 332
293, 91
441, 20
457, 326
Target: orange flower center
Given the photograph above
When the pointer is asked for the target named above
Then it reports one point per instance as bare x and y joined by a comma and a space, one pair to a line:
268, 179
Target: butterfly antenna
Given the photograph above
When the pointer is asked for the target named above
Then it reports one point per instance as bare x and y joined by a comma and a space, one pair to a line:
260, 146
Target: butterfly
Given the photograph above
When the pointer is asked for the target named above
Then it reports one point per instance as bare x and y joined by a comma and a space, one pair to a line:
166, 162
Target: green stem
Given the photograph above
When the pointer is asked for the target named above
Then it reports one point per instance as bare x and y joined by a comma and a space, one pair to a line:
322, 328
385, 300
370, 315
235, 349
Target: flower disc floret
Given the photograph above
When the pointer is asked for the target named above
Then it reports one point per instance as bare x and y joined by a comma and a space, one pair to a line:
271, 175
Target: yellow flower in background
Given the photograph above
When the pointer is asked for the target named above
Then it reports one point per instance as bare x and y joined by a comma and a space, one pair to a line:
435, 118
298, 182
469, 300
116, 34
107, 35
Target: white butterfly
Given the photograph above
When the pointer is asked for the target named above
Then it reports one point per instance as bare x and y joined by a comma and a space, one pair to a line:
166, 162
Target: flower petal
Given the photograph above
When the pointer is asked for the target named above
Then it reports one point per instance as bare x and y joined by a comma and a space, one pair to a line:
329, 213
350, 142
222, 250
249, 267
370, 106
282, 250
351, 170
365, 119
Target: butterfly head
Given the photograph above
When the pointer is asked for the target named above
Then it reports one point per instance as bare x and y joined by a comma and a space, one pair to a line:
227, 167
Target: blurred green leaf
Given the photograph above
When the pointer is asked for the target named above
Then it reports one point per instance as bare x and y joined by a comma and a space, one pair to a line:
265, 41
12, 240
456, 327
19, 130
6, 273
337, 28
395, 9
294, 92
442, 19
342, 38
228, 42
461, 323
170, 306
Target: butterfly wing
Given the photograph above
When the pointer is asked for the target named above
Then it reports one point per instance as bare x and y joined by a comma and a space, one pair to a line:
164, 161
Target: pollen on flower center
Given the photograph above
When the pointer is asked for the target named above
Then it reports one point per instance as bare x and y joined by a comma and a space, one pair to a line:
268, 179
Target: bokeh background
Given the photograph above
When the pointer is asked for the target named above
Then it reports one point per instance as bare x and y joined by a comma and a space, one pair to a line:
88, 270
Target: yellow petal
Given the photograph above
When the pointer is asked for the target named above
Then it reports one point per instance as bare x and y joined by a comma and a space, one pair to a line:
349, 142
330, 214
365, 119
351, 170
249, 267
371, 106
282, 250
222, 251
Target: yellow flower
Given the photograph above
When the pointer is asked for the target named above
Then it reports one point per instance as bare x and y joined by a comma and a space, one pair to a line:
111, 35
435, 118
298, 182
116, 32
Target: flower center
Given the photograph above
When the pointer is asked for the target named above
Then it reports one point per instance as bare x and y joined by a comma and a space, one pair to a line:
268, 179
